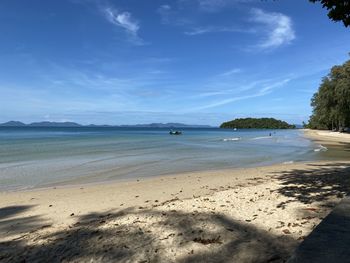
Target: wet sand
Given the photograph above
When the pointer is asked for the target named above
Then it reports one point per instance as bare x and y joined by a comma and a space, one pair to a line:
238, 215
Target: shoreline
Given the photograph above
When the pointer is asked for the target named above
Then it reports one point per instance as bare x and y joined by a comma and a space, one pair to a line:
242, 214
327, 137
79, 182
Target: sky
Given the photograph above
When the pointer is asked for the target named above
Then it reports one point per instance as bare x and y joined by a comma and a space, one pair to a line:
144, 61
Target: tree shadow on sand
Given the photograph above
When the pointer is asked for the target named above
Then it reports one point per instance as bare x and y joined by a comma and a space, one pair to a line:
318, 183
151, 235
345, 146
159, 234
12, 224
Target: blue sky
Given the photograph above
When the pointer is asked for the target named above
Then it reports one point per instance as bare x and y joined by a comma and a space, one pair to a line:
142, 61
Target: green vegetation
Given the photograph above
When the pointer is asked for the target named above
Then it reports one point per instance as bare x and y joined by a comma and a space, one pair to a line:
254, 123
338, 10
331, 103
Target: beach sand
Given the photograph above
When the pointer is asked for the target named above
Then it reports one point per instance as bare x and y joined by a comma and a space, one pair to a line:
328, 137
238, 215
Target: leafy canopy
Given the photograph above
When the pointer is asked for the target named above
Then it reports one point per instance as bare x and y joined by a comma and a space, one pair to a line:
338, 10
331, 103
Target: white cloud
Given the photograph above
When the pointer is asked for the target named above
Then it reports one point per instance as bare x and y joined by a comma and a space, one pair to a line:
165, 11
173, 16
227, 101
124, 20
278, 26
213, 29
220, 86
213, 5
231, 72
217, 5
267, 89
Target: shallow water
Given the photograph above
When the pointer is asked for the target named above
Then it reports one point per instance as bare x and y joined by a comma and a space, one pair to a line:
37, 157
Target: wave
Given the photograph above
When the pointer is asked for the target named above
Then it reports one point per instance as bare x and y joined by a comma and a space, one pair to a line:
288, 162
321, 149
231, 139
262, 137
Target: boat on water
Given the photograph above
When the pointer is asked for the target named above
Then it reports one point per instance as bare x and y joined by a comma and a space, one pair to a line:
175, 132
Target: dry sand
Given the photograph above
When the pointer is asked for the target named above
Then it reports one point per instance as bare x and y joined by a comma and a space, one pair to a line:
240, 215
328, 137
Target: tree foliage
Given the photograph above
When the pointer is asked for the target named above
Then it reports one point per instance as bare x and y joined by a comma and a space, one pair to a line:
338, 10
331, 103
254, 123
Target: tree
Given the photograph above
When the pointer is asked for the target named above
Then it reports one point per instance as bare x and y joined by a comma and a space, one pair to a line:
331, 103
339, 10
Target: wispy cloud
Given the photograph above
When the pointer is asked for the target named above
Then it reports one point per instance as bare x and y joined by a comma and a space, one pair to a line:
165, 12
230, 72
173, 16
181, 13
261, 92
217, 5
214, 29
279, 28
125, 21
270, 87
227, 101
213, 5
225, 87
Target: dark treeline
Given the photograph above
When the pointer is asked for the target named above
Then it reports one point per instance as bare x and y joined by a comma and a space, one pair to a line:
331, 103
257, 123
338, 10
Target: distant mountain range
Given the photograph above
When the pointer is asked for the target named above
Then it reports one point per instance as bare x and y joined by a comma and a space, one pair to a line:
40, 124
73, 124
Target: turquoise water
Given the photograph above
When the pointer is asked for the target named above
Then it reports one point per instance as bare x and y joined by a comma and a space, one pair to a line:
38, 157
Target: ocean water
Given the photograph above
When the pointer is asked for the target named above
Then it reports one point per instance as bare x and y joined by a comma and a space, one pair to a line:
41, 157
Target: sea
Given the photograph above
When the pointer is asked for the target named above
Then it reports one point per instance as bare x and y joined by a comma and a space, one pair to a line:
35, 157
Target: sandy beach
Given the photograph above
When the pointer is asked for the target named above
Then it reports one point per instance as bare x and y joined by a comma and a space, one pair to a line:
328, 137
238, 215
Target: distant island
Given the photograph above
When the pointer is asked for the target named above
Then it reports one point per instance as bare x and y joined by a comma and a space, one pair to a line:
73, 124
256, 123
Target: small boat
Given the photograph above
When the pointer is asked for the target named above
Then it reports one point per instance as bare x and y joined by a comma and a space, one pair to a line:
175, 132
